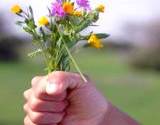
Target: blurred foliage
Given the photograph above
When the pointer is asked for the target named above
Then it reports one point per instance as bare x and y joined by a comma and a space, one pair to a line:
10, 48
145, 58
146, 44
9, 45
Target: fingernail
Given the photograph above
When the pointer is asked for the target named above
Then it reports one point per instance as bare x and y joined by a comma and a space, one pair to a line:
51, 88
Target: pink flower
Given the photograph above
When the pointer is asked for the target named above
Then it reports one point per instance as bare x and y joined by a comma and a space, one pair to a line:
57, 10
83, 3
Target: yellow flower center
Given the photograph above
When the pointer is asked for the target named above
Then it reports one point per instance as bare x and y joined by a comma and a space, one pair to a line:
68, 7
43, 21
16, 9
95, 41
101, 8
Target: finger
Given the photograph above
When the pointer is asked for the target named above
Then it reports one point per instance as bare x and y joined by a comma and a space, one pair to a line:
46, 106
60, 81
27, 94
25, 108
27, 121
36, 80
39, 91
43, 117
46, 97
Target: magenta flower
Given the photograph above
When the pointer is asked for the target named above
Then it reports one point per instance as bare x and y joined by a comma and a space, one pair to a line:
57, 10
83, 3
59, 1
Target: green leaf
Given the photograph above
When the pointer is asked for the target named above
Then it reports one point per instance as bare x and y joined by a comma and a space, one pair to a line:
82, 25
31, 24
20, 23
43, 34
99, 35
31, 12
28, 30
35, 53
90, 18
102, 35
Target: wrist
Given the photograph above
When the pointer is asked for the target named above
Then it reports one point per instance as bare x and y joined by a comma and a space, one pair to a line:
102, 117
107, 116
115, 117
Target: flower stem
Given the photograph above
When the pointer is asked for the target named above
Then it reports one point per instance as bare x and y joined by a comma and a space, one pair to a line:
71, 57
73, 61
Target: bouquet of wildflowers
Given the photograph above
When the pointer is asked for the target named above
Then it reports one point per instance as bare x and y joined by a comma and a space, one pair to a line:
57, 33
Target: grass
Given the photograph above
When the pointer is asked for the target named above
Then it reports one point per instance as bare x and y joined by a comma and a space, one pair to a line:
135, 92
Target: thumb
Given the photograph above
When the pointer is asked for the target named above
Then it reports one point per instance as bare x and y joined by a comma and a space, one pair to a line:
52, 88
59, 82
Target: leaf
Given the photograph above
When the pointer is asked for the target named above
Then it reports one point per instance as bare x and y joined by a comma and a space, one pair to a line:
82, 25
43, 34
31, 24
90, 18
87, 45
20, 23
102, 35
31, 12
35, 53
26, 21
27, 30
99, 35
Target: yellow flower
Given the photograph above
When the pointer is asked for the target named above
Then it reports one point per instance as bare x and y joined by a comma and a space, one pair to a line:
43, 21
77, 13
95, 41
68, 7
16, 9
101, 8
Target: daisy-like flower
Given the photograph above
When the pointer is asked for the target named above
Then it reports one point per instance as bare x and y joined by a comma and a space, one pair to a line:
101, 8
83, 3
68, 7
57, 10
16, 9
43, 21
95, 41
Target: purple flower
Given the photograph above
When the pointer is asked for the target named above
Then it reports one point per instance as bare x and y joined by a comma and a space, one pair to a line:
57, 10
83, 3
59, 1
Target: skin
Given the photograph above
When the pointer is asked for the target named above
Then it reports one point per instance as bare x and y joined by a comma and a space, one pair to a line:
62, 98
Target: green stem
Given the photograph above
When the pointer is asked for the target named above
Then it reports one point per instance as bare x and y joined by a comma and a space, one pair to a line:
74, 62
71, 57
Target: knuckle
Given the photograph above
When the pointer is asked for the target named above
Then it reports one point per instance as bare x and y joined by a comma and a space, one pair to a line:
35, 117
25, 120
33, 103
25, 94
34, 80
25, 108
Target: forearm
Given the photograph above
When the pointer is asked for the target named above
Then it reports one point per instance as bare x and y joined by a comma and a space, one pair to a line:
116, 117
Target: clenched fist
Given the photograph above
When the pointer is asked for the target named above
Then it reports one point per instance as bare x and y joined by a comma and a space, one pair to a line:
63, 98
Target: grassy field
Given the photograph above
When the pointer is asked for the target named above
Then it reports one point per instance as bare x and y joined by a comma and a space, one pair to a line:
135, 92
